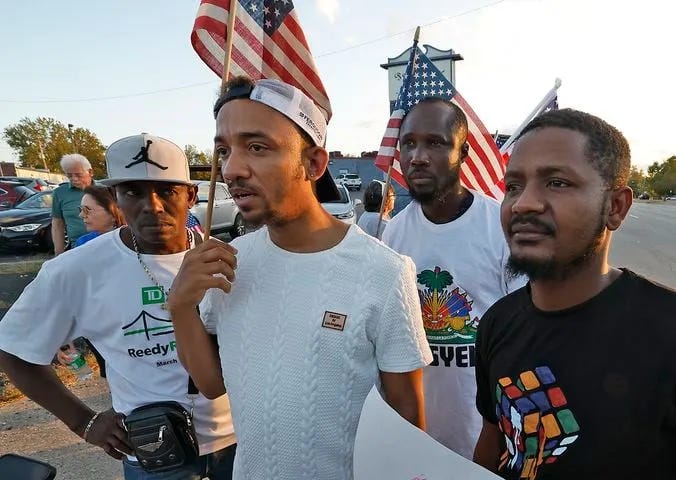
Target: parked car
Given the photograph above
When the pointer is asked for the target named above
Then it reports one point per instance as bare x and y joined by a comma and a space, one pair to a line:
644, 196
351, 180
343, 209
29, 224
36, 184
12, 193
226, 216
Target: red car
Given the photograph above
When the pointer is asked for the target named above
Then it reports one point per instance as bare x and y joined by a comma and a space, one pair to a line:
12, 193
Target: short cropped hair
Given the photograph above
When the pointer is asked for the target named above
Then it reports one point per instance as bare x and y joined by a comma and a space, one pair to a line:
459, 124
607, 149
373, 195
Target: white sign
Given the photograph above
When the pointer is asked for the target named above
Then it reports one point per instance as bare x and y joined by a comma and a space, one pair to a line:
396, 67
387, 446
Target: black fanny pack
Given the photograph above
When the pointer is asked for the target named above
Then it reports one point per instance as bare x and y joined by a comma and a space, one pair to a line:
163, 436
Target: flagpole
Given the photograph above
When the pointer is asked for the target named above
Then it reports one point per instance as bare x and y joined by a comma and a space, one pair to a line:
232, 14
536, 110
388, 181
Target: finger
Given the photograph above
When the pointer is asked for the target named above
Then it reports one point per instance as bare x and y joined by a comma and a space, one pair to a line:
121, 443
215, 255
217, 268
220, 283
216, 243
112, 452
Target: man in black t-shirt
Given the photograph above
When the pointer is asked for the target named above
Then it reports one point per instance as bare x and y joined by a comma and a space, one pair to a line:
576, 374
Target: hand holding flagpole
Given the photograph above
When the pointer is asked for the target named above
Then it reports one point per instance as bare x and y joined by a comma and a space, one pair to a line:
224, 78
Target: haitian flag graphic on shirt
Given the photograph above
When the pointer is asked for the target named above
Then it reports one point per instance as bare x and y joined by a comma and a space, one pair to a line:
446, 309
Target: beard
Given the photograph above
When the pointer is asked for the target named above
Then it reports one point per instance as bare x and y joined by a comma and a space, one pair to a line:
438, 191
537, 269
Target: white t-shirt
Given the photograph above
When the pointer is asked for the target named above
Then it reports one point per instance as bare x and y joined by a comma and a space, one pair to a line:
100, 291
461, 273
302, 339
369, 223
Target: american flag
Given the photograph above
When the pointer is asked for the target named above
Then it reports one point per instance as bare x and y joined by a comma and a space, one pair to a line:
194, 224
484, 168
268, 42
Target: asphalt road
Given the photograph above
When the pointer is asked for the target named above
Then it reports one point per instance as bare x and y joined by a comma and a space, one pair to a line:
646, 242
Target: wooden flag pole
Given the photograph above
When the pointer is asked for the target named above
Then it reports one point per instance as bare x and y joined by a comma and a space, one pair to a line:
388, 181
232, 14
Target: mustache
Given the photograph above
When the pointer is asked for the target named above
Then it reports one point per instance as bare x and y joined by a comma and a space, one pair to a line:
531, 220
238, 184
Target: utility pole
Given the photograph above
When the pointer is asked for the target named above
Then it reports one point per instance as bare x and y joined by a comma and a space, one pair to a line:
70, 135
42, 155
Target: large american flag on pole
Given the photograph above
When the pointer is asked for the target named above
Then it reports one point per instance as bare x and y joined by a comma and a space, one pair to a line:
484, 168
268, 42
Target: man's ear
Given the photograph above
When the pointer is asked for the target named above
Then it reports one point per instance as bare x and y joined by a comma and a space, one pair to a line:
620, 201
316, 159
192, 195
464, 152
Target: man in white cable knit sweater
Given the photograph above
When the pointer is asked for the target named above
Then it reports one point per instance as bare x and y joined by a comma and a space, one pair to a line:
319, 311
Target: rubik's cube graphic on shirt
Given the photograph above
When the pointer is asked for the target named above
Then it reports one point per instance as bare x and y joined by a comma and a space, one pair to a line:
536, 421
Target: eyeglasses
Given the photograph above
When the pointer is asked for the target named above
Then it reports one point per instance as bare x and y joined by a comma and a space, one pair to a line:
85, 210
77, 175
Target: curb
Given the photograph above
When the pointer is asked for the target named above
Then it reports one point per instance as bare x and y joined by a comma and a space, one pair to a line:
30, 266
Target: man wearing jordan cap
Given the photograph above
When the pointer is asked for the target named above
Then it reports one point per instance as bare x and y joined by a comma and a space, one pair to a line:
113, 291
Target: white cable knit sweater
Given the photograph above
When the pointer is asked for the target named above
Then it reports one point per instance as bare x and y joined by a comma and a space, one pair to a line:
296, 380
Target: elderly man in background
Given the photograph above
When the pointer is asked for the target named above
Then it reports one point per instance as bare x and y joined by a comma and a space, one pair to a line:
66, 201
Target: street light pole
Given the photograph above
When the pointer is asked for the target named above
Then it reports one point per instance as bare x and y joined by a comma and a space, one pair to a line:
70, 135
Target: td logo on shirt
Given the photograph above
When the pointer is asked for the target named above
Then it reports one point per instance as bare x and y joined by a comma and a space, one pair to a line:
446, 309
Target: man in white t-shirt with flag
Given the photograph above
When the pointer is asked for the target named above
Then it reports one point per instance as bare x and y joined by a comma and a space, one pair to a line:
317, 312
113, 291
454, 237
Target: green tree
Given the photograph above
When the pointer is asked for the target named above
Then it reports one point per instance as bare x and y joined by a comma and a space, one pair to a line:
638, 181
40, 143
662, 177
198, 157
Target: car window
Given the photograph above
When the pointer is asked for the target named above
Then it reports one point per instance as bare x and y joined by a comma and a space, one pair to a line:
37, 201
352, 175
203, 192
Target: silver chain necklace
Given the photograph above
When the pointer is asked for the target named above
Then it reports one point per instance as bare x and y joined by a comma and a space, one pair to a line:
163, 306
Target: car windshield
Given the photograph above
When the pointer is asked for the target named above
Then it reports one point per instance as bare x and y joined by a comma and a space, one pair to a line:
344, 196
36, 201
352, 175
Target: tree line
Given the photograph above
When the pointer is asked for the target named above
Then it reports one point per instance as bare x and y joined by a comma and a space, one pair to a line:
658, 181
41, 142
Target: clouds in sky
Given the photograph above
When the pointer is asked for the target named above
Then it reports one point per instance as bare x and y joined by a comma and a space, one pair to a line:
329, 8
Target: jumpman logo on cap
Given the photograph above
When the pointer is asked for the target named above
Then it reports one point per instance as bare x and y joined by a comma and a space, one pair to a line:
142, 156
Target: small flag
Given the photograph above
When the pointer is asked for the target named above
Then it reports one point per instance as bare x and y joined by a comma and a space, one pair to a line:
549, 102
194, 224
484, 168
268, 42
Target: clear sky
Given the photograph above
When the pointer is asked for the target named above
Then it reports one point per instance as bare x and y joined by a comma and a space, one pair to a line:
615, 57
